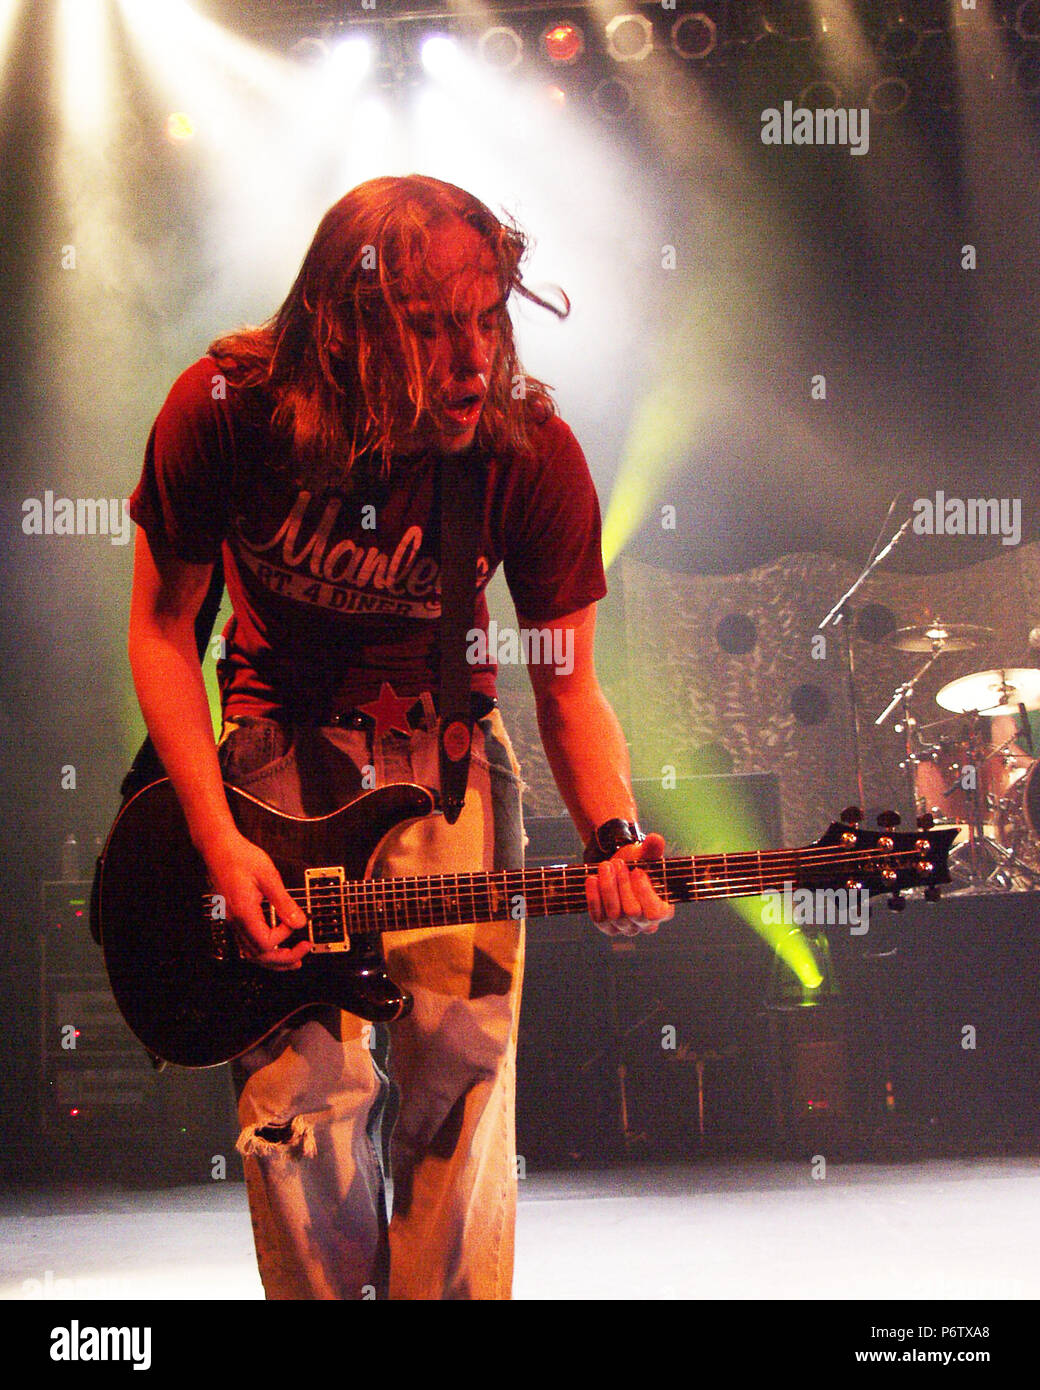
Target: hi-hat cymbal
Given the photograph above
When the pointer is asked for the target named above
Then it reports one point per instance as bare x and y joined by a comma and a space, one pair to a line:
939, 637
992, 692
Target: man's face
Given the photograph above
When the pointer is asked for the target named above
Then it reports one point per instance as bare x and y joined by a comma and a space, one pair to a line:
454, 307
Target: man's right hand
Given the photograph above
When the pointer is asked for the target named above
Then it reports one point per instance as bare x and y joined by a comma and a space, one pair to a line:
244, 876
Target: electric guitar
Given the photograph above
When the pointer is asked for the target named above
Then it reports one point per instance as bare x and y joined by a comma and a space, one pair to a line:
192, 999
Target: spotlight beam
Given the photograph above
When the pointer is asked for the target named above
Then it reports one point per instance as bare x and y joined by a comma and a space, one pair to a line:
10, 12
84, 66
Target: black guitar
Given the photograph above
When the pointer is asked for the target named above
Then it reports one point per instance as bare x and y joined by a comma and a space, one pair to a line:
192, 999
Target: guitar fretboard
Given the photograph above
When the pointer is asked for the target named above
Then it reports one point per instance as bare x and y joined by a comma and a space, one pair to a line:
403, 904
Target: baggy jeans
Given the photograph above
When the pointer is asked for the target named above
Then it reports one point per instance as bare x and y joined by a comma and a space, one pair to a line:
311, 1095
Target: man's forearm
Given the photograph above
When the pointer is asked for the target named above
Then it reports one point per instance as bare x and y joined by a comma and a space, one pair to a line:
172, 694
588, 756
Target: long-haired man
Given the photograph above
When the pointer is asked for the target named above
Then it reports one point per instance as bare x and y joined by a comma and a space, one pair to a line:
307, 456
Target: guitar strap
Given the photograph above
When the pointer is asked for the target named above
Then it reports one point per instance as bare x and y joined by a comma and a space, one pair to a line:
462, 484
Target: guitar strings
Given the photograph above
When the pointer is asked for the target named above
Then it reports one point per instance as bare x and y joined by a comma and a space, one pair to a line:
559, 888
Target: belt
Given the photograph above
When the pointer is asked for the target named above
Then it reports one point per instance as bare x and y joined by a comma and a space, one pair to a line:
354, 718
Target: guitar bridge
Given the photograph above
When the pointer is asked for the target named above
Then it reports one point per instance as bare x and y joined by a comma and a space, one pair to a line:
326, 909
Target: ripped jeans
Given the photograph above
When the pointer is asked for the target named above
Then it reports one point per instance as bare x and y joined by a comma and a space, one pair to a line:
311, 1096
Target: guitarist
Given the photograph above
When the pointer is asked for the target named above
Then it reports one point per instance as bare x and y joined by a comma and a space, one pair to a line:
304, 456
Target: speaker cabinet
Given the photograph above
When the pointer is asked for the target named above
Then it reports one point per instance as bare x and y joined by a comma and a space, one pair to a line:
101, 1104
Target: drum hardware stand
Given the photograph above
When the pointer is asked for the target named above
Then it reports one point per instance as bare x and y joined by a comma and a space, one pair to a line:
839, 614
907, 725
977, 875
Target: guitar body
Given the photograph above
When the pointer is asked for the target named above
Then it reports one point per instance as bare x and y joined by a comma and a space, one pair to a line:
175, 975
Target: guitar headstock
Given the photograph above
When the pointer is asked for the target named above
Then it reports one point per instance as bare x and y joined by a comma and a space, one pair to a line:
887, 860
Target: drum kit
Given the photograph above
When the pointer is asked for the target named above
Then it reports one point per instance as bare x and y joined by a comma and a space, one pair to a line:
976, 767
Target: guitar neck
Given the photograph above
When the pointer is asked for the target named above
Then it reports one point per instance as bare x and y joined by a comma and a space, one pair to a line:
402, 904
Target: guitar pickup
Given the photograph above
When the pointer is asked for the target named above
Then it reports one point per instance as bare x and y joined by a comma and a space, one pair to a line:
326, 909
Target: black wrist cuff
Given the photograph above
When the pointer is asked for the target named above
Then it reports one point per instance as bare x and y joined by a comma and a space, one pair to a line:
610, 837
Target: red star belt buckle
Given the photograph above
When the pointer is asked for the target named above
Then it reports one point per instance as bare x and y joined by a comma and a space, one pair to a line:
389, 712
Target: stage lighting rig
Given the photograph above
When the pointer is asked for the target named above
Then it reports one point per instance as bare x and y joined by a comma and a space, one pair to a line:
352, 56
613, 98
630, 38
501, 47
888, 96
790, 20
694, 37
563, 43
439, 54
901, 35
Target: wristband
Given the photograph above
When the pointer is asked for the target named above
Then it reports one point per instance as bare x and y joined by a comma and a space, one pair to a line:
610, 837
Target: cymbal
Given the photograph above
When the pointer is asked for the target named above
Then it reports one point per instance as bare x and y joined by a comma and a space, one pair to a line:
992, 692
939, 637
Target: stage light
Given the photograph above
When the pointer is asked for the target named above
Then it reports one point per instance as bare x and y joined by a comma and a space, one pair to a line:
838, 40
309, 50
85, 65
440, 55
352, 57
8, 14
613, 98
1027, 20
790, 20
630, 38
821, 94
694, 36
900, 39
180, 128
563, 43
888, 96
501, 47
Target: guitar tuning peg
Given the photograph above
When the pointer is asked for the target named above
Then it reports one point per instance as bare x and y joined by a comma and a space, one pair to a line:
851, 815
897, 902
888, 820
926, 821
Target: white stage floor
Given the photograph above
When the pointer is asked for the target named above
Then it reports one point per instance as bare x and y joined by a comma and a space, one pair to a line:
940, 1229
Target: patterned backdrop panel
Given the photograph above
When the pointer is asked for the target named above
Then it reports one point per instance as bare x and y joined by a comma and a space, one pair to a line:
732, 670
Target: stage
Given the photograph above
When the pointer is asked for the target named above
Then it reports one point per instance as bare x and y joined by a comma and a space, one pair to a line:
942, 1229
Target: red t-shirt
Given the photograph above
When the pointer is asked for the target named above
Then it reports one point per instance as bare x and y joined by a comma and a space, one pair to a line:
335, 592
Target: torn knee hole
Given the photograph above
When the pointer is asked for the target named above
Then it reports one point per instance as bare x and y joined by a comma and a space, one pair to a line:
277, 1134
295, 1137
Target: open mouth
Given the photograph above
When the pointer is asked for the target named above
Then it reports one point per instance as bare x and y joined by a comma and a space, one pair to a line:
464, 410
